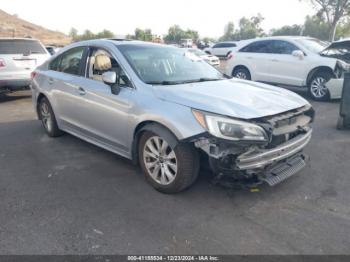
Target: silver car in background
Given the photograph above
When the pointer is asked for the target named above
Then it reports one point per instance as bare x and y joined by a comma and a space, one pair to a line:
18, 59
170, 111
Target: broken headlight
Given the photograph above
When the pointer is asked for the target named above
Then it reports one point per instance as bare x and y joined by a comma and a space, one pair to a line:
228, 128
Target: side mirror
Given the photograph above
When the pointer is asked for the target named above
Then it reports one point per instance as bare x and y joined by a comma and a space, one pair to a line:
110, 78
299, 54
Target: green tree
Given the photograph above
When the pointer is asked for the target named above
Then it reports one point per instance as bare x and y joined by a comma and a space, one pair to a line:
332, 12
73, 33
105, 34
143, 35
247, 28
87, 35
250, 28
316, 27
192, 34
175, 33
287, 30
343, 29
228, 32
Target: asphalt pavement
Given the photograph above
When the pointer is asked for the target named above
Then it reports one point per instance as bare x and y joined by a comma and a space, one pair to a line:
65, 196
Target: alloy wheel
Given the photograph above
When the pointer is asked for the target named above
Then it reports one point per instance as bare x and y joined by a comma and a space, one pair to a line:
318, 88
46, 117
160, 160
241, 75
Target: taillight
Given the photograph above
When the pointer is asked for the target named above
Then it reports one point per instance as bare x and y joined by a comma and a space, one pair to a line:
230, 56
2, 63
33, 74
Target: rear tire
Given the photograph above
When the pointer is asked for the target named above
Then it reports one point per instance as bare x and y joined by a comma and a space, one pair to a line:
48, 118
317, 89
169, 170
242, 73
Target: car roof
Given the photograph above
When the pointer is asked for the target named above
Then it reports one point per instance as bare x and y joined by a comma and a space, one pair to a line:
18, 38
281, 38
230, 42
119, 42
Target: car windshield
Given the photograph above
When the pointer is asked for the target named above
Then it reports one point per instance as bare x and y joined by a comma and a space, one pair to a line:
157, 64
19, 46
197, 52
313, 45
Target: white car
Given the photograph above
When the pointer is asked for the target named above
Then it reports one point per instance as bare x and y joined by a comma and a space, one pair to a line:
211, 59
18, 59
222, 49
186, 42
290, 61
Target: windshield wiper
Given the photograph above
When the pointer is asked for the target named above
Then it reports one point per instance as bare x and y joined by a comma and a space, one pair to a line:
204, 79
164, 83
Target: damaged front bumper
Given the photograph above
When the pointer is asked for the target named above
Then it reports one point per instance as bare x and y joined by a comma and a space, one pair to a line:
258, 158
335, 87
271, 161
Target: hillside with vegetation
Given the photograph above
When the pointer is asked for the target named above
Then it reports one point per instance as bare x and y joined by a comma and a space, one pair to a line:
13, 26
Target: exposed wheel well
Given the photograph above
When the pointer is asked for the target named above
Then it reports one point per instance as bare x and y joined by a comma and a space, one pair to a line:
238, 67
318, 70
150, 125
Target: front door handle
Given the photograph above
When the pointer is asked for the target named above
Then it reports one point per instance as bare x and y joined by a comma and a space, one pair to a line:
51, 81
274, 60
81, 91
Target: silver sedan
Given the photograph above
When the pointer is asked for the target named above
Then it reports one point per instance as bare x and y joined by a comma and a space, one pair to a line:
164, 107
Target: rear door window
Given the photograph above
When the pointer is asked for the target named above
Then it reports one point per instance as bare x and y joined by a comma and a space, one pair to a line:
220, 45
69, 62
229, 45
55, 64
258, 47
21, 46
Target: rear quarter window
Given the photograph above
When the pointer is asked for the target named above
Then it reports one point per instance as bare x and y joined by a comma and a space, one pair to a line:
21, 46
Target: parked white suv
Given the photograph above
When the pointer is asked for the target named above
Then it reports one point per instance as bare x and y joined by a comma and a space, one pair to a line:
18, 59
290, 61
222, 49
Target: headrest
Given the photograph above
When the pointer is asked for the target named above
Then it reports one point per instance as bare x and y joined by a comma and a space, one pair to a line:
102, 62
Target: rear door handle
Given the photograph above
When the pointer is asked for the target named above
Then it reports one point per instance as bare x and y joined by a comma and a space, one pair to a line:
81, 91
274, 60
51, 81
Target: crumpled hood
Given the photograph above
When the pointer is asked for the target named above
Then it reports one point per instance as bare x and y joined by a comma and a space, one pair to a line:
345, 43
341, 44
234, 98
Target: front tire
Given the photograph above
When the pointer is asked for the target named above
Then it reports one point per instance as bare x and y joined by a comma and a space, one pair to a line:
317, 86
48, 118
169, 170
241, 73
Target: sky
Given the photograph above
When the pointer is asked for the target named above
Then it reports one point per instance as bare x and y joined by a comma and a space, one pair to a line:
122, 17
